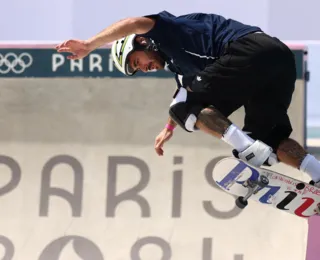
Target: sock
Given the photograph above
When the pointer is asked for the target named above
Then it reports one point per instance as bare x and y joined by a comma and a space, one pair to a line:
237, 138
311, 166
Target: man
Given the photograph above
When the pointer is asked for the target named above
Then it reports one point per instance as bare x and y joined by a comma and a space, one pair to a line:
220, 65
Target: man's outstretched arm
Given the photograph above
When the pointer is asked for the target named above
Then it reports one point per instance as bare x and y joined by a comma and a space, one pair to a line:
125, 27
137, 25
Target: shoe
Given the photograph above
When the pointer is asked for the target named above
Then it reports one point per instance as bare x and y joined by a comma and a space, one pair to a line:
316, 184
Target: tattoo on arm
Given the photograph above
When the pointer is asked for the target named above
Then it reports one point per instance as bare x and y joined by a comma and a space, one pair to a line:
211, 120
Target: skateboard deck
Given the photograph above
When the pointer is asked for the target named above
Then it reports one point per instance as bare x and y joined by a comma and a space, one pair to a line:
268, 187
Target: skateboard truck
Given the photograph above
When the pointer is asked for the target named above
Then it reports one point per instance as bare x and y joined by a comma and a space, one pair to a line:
253, 187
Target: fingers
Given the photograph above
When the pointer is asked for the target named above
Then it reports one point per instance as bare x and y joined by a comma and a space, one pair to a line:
73, 47
64, 44
72, 57
64, 49
160, 140
67, 46
158, 146
61, 45
159, 151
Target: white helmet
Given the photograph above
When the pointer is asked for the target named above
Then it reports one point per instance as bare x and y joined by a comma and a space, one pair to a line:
120, 51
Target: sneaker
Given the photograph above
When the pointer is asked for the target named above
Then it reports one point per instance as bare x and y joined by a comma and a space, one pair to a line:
316, 184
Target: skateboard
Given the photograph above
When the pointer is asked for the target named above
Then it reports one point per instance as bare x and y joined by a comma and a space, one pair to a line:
268, 187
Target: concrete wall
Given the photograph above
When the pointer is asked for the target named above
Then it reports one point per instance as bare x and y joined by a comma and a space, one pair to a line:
80, 110
80, 180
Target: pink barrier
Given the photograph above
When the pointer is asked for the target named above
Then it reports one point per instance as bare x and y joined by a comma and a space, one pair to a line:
52, 44
313, 248
34, 45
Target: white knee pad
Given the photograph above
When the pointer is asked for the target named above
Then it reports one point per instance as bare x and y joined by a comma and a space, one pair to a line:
182, 113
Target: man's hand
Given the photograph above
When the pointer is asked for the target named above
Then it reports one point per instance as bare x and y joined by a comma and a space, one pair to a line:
164, 136
78, 49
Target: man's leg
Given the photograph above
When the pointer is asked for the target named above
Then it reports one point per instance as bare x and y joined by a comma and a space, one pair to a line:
213, 122
191, 113
292, 153
255, 152
288, 151
267, 119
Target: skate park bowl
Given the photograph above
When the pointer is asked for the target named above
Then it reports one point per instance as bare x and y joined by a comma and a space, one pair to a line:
80, 178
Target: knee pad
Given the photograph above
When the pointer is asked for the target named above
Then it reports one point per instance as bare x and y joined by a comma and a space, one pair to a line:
184, 114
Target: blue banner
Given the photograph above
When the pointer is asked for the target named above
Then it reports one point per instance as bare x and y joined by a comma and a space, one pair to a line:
48, 63
44, 63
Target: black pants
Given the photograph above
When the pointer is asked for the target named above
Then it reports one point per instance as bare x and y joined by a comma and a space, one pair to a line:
258, 72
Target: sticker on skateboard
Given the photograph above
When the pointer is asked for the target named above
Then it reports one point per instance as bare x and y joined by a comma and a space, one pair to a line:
267, 187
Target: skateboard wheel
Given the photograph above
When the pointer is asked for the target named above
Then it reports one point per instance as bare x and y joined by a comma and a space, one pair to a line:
264, 180
241, 203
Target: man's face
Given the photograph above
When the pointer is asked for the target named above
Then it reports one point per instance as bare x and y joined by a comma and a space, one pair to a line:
145, 60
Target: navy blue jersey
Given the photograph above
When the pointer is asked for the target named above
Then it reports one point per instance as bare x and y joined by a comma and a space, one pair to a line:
194, 40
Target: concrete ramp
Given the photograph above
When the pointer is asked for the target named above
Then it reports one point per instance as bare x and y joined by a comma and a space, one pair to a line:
80, 180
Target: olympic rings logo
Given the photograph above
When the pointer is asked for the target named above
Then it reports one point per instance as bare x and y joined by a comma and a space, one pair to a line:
15, 63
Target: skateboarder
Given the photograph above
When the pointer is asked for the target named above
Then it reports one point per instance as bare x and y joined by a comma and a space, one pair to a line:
219, 65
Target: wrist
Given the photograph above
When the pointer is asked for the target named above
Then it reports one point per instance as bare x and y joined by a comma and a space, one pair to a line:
170, 127
92, 44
